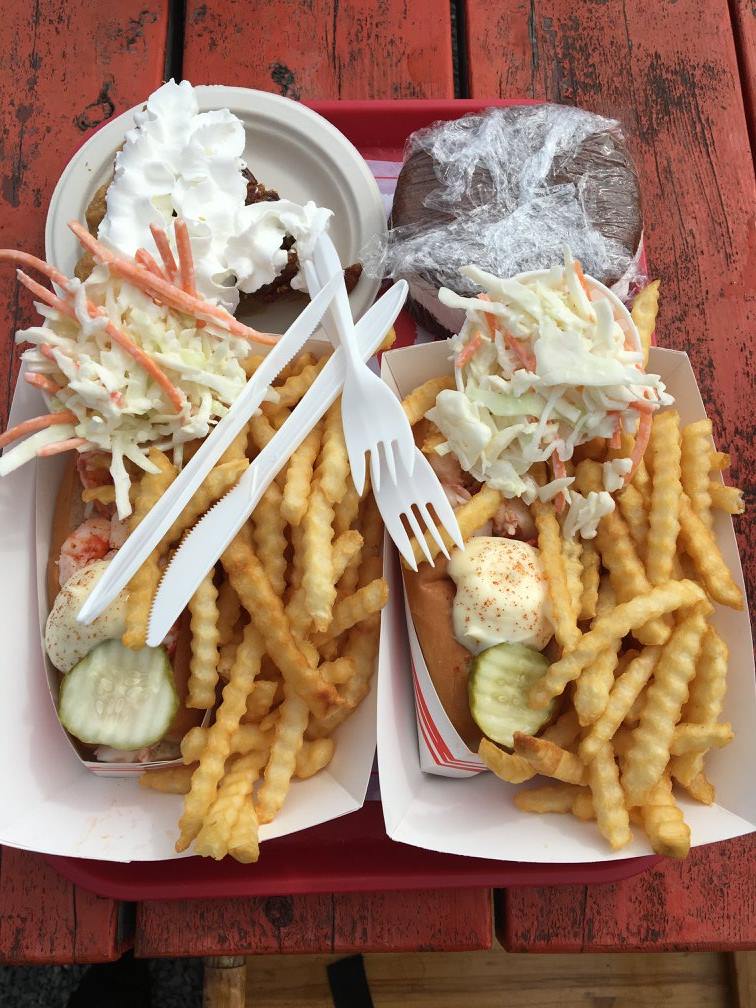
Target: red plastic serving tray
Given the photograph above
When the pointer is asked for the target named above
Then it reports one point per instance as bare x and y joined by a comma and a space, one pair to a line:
353, 853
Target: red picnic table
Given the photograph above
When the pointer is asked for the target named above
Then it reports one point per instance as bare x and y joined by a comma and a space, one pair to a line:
679, 75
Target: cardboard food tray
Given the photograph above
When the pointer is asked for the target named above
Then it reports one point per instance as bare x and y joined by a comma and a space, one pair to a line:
420, 754
350, 854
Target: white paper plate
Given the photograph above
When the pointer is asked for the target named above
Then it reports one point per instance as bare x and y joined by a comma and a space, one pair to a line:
289, 148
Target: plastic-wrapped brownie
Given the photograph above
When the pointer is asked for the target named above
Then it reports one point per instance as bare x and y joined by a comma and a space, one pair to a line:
507, 190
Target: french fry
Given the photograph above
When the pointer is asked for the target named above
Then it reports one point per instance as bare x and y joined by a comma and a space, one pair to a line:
705, 701
719, 461
606, 600
354, 609
667, 831
550, 546
346, 511
608, 799
203, 668
229, 610
212, 760
703, 550
549, 798
726, 498
234, 791
298, 478
269, 537
700, 788
565, 730
666, 492
346, 551
246, 738
594, 685
313, 757
168, 780
423, 398
317, 579
333, 465
507, 766
260, 701
102, 494
549, 759
618, 554
432, 441
642, 482
589, 559
217, 482
292, 390
227, 654
695, 456
573, 570
143, 585
647, 759
287, 741
481, 508
627, 687
340, 670
633, 511
388, 340
262, 429
237, 450
699, 738
644, 311
361, 648
266, 609
626, 617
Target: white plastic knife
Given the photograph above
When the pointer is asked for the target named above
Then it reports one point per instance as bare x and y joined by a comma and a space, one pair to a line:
213, 533
151, 530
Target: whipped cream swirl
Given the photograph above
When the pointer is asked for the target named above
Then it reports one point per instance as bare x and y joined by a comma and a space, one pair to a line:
180, 161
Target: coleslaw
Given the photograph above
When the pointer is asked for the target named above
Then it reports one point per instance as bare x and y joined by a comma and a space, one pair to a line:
544, 362
112, 403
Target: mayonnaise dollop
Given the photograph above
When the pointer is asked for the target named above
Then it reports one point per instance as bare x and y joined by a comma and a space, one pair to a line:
501, 595
180, 161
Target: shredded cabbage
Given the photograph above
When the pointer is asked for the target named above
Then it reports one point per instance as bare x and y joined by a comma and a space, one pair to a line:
120, 409
557, 366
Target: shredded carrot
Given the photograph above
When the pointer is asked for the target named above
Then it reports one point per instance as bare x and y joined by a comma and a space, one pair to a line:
560, 472
469, 350
581, 277
61, 446
644, 406
175, 396
166, 254
641, 443
144, 258
47, 351
615, 441
186, 259
167, 292
36, 424
524, 356
41, 382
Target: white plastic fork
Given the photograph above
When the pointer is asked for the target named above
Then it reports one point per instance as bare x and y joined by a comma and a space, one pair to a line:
416, 491
372, 417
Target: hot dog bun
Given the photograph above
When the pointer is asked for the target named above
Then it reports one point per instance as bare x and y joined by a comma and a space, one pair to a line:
430, 593
67, 516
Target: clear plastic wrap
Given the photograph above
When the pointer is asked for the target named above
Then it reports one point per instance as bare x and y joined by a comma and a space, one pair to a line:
507, 190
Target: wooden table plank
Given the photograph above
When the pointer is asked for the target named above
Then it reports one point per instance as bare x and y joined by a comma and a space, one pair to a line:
706, 903
366, 922
322, 48
744, 24
672, 79
67, 66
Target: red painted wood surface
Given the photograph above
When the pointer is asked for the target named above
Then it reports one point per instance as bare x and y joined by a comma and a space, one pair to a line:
67, 66
744, 25
45, 919
365, 922
707, 902
322, 48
